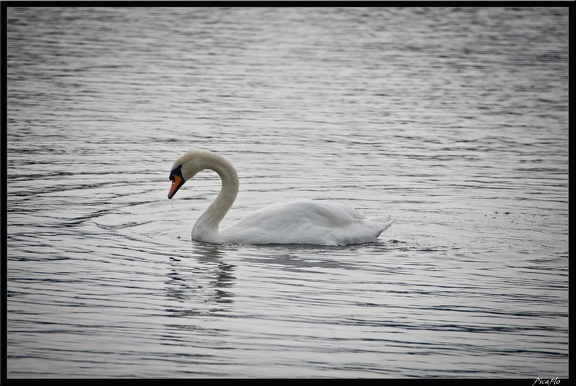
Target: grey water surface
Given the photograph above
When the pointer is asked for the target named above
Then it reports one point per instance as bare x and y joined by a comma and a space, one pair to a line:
452, 120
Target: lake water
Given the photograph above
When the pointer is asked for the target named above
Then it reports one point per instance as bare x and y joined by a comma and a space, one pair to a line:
452, 120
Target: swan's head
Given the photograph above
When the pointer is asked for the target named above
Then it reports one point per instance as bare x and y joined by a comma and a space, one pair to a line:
189, 164
185, 167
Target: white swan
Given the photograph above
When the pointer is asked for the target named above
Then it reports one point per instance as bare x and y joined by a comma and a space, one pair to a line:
297, 222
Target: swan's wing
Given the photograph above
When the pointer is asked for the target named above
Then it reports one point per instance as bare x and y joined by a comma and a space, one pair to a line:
295, 213
308, 222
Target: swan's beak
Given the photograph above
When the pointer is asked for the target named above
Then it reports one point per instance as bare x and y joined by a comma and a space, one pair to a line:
177, 182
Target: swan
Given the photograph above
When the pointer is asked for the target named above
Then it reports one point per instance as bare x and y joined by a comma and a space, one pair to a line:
294, 222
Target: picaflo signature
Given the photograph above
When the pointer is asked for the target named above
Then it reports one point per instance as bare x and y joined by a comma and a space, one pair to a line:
546, 381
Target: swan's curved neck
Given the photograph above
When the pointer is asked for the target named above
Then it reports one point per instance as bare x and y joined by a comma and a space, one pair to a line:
206, 228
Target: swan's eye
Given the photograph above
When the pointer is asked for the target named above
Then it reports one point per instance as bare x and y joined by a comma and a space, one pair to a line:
176, 171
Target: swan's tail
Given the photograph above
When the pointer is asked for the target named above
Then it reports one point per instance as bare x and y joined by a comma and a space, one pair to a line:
384, 222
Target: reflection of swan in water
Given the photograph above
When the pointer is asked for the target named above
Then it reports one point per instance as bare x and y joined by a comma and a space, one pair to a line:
297, 222
206, 278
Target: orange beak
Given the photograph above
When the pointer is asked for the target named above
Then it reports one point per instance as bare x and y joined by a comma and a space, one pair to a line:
177, 182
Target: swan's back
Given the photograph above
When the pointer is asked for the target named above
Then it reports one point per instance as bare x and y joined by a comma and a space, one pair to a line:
305, 222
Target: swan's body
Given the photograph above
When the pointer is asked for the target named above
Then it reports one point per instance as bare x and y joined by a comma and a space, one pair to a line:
296, 222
